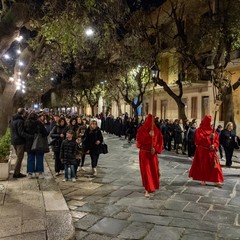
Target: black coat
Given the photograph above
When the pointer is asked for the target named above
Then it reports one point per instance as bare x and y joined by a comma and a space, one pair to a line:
90, 138
68, 152
18, 133
55, 134
33, 127
191, 136
178, 134
227, 139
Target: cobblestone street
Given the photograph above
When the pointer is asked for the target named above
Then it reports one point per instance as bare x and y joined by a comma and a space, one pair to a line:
113, 206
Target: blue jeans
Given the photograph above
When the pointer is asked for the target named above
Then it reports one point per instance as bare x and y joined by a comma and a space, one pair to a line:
35, 162
72, 171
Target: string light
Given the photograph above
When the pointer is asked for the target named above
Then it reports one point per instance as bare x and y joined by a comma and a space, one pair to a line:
52, 78
20, 84
19, 38
20, 63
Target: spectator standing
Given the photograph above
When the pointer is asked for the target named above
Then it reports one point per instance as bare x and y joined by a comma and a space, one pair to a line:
57, 134
34, 126
219, 130
191, 141
18, 140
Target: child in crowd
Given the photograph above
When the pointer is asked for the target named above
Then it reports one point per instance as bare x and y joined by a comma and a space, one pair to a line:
68, 155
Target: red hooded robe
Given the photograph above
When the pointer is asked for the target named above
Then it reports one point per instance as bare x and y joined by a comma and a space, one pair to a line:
203, 166
149, 162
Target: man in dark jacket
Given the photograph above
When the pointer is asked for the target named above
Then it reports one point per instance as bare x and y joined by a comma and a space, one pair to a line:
18, 139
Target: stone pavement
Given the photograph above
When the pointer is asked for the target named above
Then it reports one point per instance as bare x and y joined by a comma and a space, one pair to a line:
34, 209
112, 205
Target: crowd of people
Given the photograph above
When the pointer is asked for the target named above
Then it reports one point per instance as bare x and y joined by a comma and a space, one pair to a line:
72, 137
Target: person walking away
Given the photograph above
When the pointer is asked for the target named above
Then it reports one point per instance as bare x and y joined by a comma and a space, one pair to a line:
68, 155
18, 140
150, 143
92, 140
190, 138
35, 158
227, 140
186, 127
57, 134
206, 166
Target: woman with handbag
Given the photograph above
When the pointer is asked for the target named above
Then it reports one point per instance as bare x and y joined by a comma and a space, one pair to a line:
92, 141
35, 146
57, 134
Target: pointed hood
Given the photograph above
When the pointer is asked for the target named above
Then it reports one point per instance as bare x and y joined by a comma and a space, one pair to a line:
206, 124
149, 122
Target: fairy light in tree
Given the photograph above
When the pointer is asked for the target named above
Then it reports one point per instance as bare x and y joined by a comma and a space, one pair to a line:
19, 38
20, 84
6, 56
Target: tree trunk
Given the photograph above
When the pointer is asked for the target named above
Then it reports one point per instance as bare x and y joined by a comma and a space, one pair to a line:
228, 112
92, 108
6, 108
135, 111
178, 99
119, 108
181, 110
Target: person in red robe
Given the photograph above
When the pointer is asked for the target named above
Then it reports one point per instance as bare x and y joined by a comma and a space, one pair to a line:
150, 143
206, 166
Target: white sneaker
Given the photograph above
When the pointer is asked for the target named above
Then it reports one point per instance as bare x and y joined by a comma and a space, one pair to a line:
189, 158
94, 171
57, 174
74, 180
40, 176
30, 175
78, 169
64, 180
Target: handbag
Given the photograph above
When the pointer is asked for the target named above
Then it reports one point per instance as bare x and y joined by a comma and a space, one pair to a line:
51, 141
103, 148
40, 143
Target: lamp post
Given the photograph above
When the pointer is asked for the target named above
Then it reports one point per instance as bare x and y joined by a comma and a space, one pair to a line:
103, 107
155, 76
155, 72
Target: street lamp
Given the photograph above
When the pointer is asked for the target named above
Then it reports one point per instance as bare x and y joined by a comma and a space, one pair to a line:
155, 71
89, 32
103, 107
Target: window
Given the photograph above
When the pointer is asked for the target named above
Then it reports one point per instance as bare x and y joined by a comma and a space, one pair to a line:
205, 106
194, 107
155, 108
164, 104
